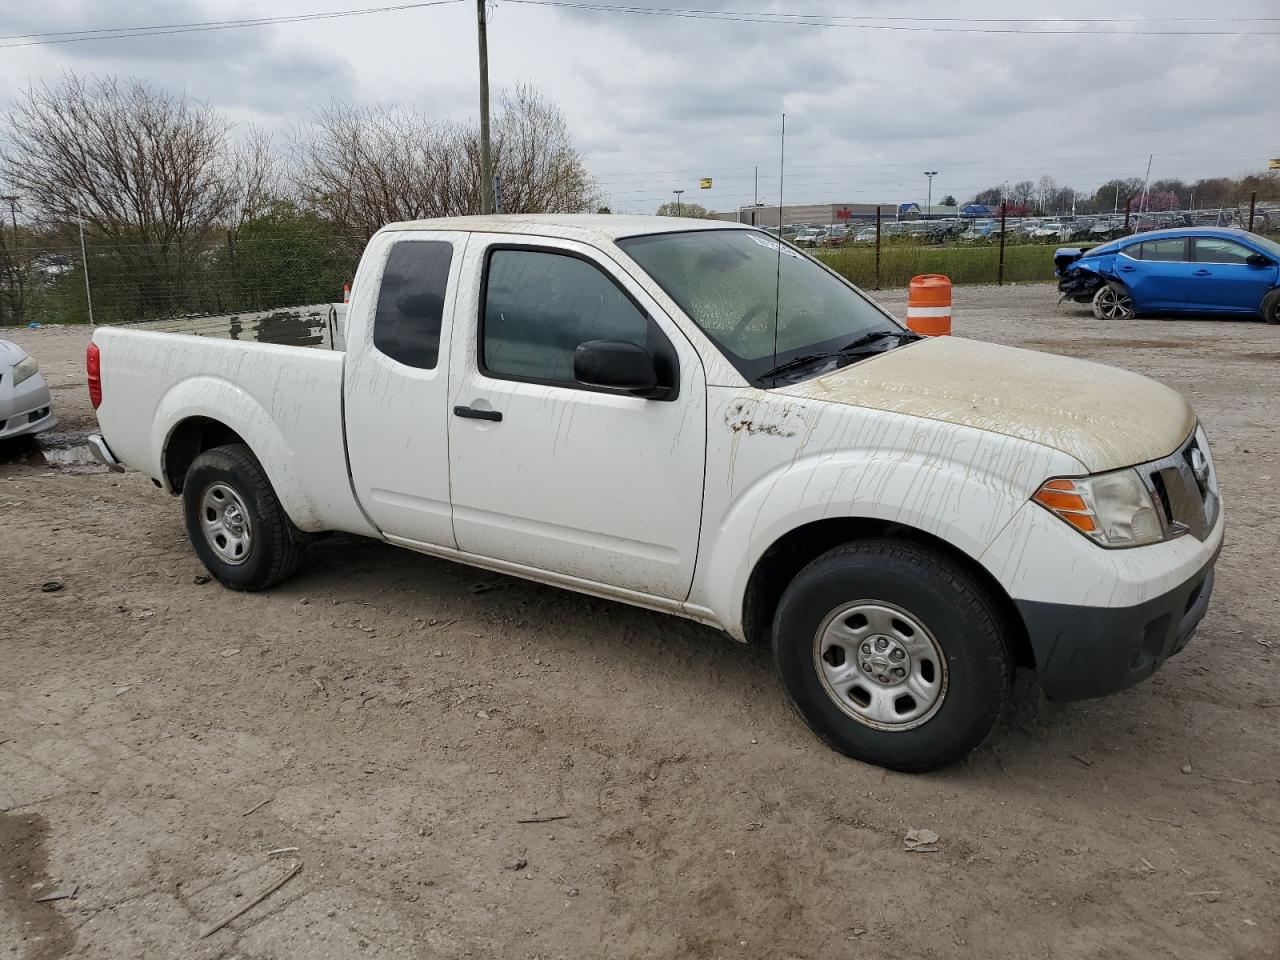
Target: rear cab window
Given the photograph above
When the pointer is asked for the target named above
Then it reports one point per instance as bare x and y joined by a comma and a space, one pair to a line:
406, 323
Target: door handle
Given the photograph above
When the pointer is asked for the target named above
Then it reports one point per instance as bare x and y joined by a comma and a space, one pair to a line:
1203, 273
1127, 269
471, 413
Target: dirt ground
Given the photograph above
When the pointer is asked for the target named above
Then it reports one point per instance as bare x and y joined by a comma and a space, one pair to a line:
390, 719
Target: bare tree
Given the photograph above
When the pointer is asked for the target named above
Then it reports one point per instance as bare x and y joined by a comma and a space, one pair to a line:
150, 171
534, 157
363, 167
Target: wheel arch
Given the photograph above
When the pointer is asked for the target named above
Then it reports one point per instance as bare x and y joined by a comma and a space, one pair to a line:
187, 440
779, 564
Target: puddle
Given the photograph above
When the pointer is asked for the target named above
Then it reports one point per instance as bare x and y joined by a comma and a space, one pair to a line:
55, 450
45, 931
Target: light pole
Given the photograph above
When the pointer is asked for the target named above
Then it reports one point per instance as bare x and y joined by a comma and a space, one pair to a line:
679, 209
928, 205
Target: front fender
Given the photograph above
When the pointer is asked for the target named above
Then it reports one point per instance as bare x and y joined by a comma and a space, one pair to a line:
959, 484
219, 399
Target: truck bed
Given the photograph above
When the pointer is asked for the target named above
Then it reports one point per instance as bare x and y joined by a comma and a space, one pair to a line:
316, 325
277, 375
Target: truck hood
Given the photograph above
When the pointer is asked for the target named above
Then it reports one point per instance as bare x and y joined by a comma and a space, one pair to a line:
1104, 417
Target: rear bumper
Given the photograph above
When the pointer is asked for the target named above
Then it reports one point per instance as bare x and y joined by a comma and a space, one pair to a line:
1084, 652
102, 453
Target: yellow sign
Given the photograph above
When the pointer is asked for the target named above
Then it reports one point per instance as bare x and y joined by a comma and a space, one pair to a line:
1272, 164
705, 182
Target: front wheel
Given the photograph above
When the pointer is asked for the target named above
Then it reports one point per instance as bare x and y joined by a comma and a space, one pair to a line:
894, 654
235, 522
1112, 303
1271, 307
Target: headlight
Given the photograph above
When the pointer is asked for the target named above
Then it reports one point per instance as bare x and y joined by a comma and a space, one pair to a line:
24, 369
1111, 509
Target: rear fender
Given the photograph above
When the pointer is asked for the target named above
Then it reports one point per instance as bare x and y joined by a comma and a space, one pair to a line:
218, 399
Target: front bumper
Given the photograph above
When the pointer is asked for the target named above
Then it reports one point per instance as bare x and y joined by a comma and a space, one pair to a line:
1084, 652
26, 408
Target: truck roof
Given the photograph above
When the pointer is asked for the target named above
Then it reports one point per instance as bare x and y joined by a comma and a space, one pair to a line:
587, 227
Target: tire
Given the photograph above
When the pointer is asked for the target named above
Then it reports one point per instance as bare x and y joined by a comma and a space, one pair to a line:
235, 522
1112, 302
866, 592
1271, 307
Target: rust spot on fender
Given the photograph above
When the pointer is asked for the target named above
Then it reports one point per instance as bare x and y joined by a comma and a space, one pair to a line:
752, 416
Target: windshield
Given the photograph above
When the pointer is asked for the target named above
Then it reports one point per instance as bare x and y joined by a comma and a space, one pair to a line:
729, 283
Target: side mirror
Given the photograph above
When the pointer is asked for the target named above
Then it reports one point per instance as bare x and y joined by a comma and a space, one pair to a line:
618, 365
1257, 260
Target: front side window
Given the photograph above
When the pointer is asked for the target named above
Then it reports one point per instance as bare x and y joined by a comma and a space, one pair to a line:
746, 294
539, 306
406, 325
1170, 250
1220, 250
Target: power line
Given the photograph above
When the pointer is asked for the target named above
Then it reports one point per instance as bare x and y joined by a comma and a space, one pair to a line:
835, 22
202, 26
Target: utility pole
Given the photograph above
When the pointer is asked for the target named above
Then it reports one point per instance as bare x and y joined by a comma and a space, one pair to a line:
928, 206
679, 209
486, 159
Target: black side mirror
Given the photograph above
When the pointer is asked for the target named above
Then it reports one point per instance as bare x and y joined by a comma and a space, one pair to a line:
618, 365
1257, 260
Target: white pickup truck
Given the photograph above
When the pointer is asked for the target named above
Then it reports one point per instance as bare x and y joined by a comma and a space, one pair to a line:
687, 416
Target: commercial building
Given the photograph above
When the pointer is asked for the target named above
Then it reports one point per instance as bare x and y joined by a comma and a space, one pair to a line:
824, 214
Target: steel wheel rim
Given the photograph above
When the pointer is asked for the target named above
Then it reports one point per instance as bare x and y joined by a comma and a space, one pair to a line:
880, 665
1115, 305
224, 519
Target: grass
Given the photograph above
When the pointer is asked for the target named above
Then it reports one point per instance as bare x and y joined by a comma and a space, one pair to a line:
963, 263
979, 263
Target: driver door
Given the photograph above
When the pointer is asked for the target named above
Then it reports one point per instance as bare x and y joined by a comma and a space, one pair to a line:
588, 483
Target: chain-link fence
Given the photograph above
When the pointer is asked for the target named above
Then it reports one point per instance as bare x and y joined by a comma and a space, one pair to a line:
989, 249
131, 281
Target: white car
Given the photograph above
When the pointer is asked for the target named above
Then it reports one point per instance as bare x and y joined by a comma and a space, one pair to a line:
696, 419
25, 407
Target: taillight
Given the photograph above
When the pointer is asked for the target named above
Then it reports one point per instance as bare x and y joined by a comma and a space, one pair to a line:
93, 366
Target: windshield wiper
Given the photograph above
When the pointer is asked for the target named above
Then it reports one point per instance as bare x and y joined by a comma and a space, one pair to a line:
866, 340
875, 336
796, 362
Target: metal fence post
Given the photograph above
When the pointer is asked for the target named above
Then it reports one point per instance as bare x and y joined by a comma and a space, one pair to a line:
84, 264
1253, 204
877, 286
1004, 212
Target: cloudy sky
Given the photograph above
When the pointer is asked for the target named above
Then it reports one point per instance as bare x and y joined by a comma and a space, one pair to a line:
655, 102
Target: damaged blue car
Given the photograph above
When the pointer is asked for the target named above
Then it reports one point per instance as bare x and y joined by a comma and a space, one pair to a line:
1188, 270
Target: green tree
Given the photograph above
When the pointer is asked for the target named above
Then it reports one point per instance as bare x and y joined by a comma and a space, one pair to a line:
696, 210
949, 201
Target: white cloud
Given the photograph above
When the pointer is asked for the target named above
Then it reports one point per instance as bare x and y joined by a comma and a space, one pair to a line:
656, 102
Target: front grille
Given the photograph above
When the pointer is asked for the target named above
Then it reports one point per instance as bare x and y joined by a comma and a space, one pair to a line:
1186, 488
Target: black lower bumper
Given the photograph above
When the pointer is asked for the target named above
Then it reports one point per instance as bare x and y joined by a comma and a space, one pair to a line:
1086, 652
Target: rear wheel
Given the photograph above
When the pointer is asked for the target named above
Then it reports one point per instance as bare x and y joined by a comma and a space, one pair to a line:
894, 654
236, 523
1112, 303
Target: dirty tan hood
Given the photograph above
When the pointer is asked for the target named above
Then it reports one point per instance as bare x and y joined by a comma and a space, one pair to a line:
1103, 416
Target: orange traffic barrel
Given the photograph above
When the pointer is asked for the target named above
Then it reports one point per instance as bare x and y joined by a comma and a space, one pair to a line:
929, 305
346, 293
